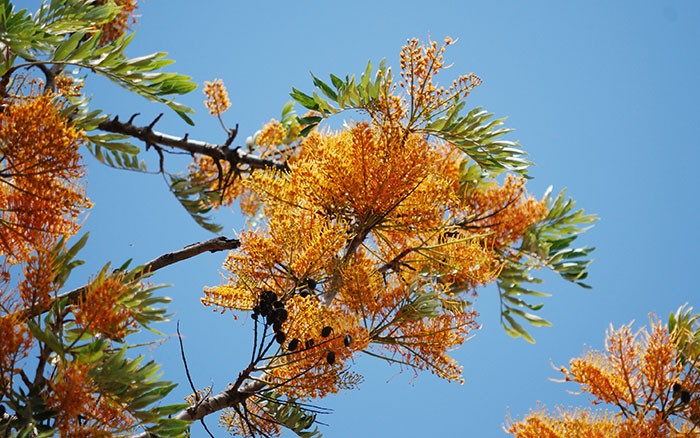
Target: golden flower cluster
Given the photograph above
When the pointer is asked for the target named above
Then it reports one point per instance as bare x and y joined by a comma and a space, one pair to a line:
419, 66
371, 234
319, 341
504, 212
37, 286
15, 346
361, 176
578, 423
80, 410
204, 171
640, 374
272, 134
41, 191
100, 309
68, 86
121, 23
217, 97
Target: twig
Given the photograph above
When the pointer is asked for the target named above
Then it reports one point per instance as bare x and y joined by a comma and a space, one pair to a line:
189, 377
212, 245
184, 362
216, 152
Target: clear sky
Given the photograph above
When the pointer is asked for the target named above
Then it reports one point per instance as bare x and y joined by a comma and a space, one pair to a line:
604, 96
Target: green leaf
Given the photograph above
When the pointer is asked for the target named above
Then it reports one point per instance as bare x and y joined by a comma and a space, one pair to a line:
68, 46
198, 199
479, 136
46, 336
85, 49
290, 414
327, 90
304, 99
516, 330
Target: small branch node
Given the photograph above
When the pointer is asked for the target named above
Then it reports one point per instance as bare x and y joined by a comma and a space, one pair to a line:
153, 123
131, 119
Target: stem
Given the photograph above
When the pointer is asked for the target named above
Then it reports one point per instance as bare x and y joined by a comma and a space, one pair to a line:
216, 152
212, 245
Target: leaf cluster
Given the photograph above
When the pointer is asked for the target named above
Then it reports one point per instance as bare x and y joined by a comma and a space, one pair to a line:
290, 414
197, 197
65, 34
548, 243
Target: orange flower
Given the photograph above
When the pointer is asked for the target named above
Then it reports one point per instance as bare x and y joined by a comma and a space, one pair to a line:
253, 423
37, 286
41, 173
419, 66
100, 310
504, 212
120, 24
564, 424
363, 176
272, 134
15, 346
640, 374
80, 410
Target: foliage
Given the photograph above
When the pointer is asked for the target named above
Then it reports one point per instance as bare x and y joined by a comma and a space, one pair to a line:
373, 239
650, 380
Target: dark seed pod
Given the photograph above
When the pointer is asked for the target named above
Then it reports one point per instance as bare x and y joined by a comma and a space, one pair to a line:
304, 293
280, 315
685, 396
326, 331
311, 283
677, 387
293, 344
268, 296
280, 337
309, 344
330, 358
265, 308
254, 315
278, 305
347, 340
277, 327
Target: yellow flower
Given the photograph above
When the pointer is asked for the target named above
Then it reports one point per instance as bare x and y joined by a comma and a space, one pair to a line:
217, 97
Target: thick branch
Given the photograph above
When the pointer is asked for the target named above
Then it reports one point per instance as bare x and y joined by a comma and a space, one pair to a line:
217, 152
212, 245
233, 394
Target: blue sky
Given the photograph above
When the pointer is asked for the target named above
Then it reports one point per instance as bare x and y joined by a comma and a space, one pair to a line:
604, 96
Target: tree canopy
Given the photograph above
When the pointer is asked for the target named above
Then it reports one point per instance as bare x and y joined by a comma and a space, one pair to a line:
371, 239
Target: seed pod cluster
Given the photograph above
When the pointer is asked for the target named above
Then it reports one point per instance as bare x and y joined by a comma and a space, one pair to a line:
309, 289
272, 311
680, 392
308, 344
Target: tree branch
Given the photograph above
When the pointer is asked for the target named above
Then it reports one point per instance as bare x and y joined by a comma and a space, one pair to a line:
235, 393
216, 152
212, 245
